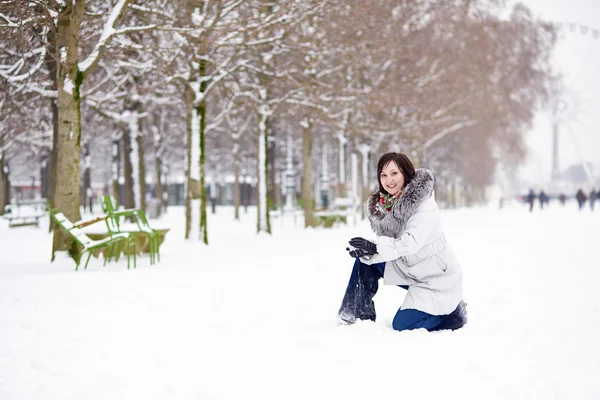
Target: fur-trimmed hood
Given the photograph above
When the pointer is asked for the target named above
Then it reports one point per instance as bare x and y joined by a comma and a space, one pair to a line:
392, 223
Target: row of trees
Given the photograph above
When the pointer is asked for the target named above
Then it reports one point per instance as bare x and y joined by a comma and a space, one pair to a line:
187, 83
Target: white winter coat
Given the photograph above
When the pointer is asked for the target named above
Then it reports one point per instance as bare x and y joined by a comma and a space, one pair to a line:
413, 246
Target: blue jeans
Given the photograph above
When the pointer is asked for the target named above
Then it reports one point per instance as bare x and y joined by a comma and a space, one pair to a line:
358, 301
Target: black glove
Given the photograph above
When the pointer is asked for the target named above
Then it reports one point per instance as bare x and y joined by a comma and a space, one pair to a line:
356, 253
369, 248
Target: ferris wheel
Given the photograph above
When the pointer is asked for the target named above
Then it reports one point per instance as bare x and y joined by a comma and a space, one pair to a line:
574, 111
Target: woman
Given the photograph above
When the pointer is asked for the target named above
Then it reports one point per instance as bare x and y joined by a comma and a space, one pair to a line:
410, 251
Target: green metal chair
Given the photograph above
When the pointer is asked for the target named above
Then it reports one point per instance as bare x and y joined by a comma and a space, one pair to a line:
110, 207
89, 245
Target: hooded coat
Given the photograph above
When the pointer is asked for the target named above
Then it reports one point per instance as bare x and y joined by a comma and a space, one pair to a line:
411, 242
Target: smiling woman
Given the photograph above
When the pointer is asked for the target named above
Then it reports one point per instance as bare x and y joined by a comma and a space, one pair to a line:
410, 251
395, 171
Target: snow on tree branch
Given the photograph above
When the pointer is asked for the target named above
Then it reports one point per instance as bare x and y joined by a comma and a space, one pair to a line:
108, 32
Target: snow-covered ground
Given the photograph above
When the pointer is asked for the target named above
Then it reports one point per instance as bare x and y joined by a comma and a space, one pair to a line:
253, 316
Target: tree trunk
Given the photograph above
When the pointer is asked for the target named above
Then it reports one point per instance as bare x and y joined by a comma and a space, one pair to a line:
341, 187
416, 154
440, 188
271, 182
202, 119
45, 175
468, 189
87, 178
236, 181
141, 178
128, 184
134, 169
158, 189
263, 223
278, 200
135, 154
196, 137
363, 178
66, 194
189, 182
480, 195
307, 195
3, 192
53, 163
51, 64
69, 79
201, 110
158, 166
454, 196
116, 163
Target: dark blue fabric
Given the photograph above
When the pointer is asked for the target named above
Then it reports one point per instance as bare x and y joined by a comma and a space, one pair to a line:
358, 300
414, 319
455, 320
380, 267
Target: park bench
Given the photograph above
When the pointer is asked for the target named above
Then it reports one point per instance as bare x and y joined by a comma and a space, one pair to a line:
343, 207
115, 224
111, 245
25, 213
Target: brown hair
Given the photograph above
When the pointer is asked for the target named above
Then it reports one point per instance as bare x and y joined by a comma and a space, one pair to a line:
402, 161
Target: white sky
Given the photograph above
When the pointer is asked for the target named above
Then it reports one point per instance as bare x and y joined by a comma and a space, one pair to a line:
577, 57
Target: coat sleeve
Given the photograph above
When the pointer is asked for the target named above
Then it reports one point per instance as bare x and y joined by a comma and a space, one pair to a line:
418, 229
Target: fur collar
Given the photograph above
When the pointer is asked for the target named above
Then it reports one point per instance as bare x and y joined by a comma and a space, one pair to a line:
392, 223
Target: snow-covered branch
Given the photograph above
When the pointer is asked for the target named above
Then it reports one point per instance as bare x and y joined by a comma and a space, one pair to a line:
447, 131
151, 11
7, 71
108, 33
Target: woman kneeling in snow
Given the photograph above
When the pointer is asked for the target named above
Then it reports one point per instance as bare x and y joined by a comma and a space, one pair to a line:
410, 251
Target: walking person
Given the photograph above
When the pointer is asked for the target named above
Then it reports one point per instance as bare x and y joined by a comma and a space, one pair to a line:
410, 251
543, 199
581, 198
593, 197
531, 199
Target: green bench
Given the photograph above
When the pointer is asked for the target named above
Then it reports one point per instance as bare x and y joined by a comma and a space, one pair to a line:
115, 224
111, 245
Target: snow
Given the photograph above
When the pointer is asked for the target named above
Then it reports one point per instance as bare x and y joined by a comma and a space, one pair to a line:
197, 17
253, 316
68, 86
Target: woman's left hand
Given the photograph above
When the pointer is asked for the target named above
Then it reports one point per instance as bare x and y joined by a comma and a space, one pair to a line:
357, 253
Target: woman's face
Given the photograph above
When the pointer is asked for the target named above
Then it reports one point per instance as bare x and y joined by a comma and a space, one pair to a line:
391, 178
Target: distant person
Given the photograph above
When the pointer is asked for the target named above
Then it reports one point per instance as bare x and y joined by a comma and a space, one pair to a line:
410, 251
530, 199
562, 198
543, 199
581, 198
593, 197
